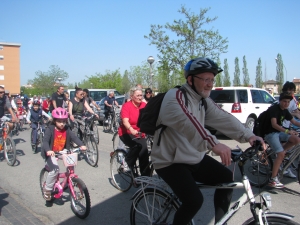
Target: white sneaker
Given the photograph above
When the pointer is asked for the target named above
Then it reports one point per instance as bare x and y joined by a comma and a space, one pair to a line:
106, 121
289, 173
125, 167
274, 182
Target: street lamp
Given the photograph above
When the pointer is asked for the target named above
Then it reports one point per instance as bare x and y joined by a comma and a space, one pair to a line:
284, 68
151, 61
59, 80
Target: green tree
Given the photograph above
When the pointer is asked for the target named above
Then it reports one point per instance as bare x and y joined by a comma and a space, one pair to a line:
279, 71
236, 79
258, 79
246, 79
126, 84
45, 83
219, 77
193, 38
226, 81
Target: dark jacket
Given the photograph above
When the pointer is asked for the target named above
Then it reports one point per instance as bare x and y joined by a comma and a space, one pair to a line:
49, 139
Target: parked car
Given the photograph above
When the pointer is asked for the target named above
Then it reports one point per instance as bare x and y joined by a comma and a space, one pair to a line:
245, 103
276, 97
119, 99
96, 94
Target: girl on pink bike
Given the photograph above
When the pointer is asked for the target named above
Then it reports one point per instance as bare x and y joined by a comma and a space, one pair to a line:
57, 137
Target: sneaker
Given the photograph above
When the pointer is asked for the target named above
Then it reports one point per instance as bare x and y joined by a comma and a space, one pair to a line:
47, 195
126, 167
289, 173
33, 148
106, 121
274, 182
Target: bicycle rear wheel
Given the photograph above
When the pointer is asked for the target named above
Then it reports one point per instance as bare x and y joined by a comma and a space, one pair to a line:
153, 207
10, 151
258, 169
80, 201
92, 154
121, 178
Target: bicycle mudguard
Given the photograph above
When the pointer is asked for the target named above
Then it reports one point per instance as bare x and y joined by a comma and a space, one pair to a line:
279, 215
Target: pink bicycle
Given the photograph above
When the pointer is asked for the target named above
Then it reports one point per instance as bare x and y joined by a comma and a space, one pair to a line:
78, 192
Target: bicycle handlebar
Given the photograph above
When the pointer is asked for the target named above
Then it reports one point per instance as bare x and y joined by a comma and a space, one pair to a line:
66, 151
239, 155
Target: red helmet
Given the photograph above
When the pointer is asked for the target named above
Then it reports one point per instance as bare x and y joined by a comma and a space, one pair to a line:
59, 113
36, 102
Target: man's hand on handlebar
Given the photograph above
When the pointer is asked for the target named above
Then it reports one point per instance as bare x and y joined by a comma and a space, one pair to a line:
252, 140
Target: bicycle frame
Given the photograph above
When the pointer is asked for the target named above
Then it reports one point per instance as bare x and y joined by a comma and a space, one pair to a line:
248, 196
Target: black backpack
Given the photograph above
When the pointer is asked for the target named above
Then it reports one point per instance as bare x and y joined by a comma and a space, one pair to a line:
263, 122
148, 115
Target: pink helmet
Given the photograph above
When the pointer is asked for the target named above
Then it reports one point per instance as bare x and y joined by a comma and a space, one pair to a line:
59, 113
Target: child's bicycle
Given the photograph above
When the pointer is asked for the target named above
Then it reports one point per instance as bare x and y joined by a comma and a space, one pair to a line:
78, 192
7, 145
155, 203
40, 136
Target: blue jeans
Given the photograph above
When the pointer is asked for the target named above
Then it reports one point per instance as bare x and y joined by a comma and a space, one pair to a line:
274, 140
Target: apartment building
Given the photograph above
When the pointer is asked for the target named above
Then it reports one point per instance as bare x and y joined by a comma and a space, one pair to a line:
10, 67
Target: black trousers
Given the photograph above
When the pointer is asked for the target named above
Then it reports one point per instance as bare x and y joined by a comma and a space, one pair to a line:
138, 149
181, 178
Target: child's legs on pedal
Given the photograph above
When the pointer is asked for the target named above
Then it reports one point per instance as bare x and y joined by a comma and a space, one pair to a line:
179, 177
274, 140
34, 133
53, 172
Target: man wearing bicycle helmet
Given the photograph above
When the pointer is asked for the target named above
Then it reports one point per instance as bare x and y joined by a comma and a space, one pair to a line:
58, 136
180, 158
35, 116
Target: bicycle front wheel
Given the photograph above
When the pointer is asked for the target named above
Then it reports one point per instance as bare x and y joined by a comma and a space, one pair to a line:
272, 221
153, 207
92, 154
10, 151
43, 177
122, 179
258, 169
80, 198
96, 133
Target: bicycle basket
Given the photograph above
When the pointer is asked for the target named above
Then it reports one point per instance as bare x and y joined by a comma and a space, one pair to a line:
70, 159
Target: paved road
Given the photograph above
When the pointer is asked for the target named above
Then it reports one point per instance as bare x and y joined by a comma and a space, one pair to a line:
20, 194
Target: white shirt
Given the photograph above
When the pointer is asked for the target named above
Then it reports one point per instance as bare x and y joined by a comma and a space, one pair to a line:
292, 107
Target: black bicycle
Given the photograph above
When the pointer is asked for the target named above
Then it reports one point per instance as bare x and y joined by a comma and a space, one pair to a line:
88, 138
111, 124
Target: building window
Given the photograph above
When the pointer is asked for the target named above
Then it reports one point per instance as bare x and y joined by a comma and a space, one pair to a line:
1, 67
1, 57
1, 77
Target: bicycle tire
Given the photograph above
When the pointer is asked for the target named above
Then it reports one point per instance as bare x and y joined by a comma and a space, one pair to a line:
117, 143
81, 205
122, 180
92, 153
43, 178
258, 177
96, 133
10, 151
272, 221
105, 125
295, 163
160, 200
298, 172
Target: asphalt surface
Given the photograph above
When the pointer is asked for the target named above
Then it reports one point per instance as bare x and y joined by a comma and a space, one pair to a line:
21, 201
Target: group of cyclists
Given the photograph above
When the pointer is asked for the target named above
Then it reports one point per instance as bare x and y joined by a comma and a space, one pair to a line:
180, 159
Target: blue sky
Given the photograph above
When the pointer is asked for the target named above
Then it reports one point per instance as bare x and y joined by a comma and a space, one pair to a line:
87, 37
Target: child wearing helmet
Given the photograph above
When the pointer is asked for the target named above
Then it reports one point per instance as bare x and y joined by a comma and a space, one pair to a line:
20, 110
35, 116
58, 136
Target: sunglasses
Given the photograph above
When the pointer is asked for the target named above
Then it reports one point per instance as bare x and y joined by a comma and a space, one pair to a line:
148, 92
2, 92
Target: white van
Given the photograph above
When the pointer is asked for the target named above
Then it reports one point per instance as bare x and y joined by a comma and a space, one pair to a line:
96, 94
